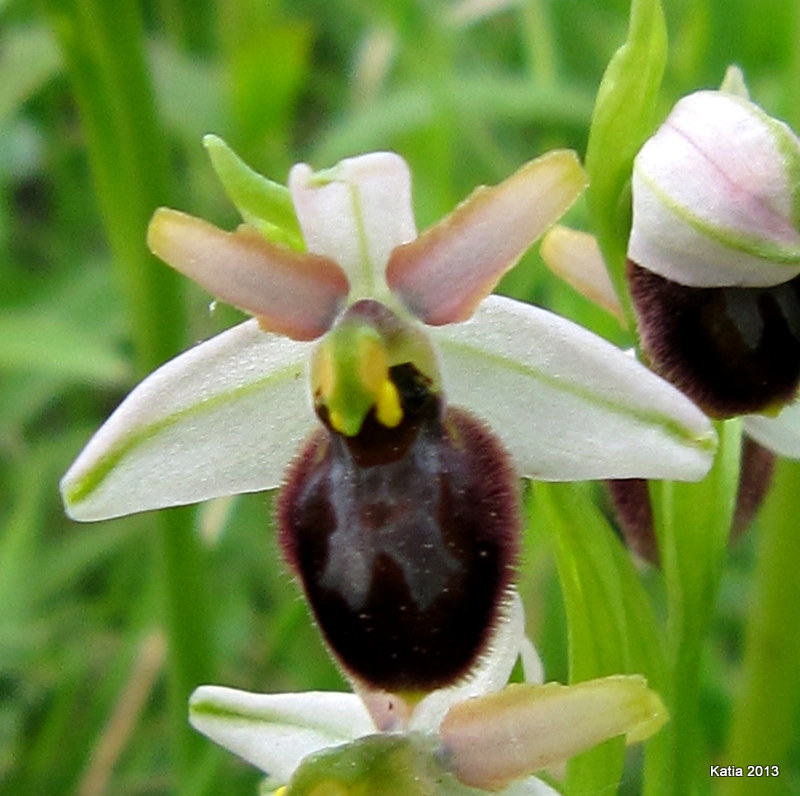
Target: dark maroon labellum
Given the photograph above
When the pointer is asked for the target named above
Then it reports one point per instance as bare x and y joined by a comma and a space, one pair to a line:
630, 498
732, 350
405, 539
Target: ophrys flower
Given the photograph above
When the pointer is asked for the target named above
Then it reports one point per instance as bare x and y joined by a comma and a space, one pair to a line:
460, 741
714, 253
414, 397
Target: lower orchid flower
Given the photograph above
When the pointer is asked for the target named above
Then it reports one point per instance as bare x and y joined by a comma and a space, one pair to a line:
396, 399
459, 741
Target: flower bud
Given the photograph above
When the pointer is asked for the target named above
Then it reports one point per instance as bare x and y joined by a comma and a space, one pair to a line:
714, 254
716, 196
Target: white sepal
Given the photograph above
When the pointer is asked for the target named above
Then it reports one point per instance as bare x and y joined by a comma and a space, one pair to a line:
779, 434
356, 213
222, 418
530, 786
567, 404
274, 732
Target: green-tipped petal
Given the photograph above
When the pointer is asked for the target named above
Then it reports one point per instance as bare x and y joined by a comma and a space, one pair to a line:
355, 213
491, 740
443, 275
264, 204
567, 404
275, 732
222, 418
292, 293
780, 434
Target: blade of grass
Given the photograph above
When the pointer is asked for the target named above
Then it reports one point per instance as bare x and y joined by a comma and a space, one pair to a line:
102, 46
692, 522
765, 709
611, 625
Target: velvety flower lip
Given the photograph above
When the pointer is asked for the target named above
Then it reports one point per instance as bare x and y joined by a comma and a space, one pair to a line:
227, 415
481, 733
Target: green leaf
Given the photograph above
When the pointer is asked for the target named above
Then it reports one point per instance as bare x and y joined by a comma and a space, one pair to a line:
612, 628
765, 711
622, 120
264, 204
28, 59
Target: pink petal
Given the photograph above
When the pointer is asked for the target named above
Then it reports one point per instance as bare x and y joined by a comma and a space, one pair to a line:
491, 740
292, 293
443, 275
575, 257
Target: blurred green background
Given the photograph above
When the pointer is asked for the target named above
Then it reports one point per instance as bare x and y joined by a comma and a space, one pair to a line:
102, 109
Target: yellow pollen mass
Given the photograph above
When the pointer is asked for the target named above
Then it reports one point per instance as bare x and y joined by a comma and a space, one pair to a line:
325, 372
337, 421
387, 408
373, 368
351, 377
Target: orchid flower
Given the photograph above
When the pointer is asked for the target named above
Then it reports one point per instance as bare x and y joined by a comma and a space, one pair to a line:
714, 274
458, 741
714, 253
396, 398
575, 256
716, 233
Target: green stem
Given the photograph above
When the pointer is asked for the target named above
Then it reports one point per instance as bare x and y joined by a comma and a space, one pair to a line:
540, 43
102, 44
692, 523
765, 709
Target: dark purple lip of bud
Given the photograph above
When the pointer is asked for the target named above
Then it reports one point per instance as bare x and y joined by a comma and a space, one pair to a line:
732, 350
630, 499
405, 540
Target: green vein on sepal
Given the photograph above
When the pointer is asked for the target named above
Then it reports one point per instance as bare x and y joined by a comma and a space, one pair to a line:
93, 479
704, 442
208, 708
